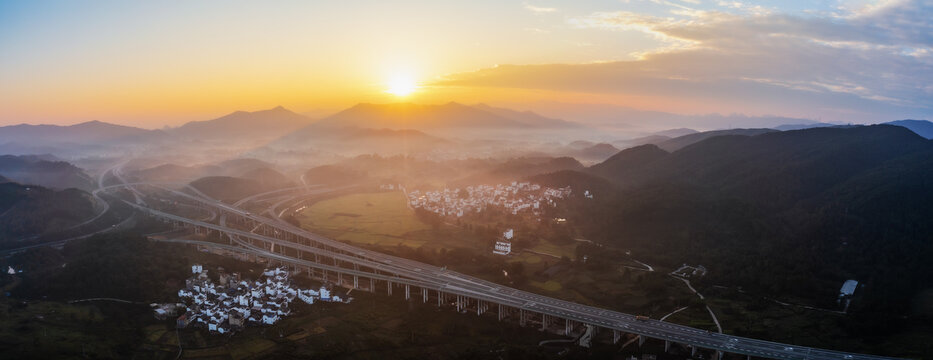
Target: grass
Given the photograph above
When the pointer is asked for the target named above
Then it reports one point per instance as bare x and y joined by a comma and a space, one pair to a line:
251, 348
555, 250
370, 218
549, 285
381, 219
45, 329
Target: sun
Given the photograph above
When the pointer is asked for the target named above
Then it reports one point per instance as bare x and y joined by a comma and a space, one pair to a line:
401, 85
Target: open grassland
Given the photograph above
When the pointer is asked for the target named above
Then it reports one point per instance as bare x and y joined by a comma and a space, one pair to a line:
381, 219
555, 250
370, 218
55, 330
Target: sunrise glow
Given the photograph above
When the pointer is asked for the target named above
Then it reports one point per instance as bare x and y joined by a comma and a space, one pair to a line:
401, 85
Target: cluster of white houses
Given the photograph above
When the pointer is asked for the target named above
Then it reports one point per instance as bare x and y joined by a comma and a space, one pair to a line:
232, 303
517, 197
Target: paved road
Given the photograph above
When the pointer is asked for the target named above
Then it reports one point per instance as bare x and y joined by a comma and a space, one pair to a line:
433, 277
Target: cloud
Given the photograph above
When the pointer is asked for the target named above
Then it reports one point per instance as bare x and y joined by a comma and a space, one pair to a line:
538, 9
876, 61
537, 30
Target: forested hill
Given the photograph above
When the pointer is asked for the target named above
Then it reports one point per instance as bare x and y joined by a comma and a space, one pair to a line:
27, 210
45, 171
790, 213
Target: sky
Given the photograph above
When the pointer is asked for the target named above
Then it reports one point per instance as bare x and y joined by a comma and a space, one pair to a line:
152, 64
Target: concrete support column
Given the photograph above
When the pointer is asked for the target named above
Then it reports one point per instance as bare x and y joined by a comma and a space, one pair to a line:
372, 285
521, 317
693, 350
424, 296
407, 292
440, 298
616, 336
500, 312
479, 307
356, 282
641, 340
567, 327
667, 346
543, 322
389, 287
719, 354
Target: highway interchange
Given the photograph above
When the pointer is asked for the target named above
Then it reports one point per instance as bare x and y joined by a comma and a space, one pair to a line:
425, 276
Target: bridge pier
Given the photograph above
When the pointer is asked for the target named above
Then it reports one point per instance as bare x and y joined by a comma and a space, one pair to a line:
424, 295
616, 336
521, 317
543, 321
667, 346
567, 327
356, 282
641, 340
389, 287
499, 314
372, 285
407, 292
440, 298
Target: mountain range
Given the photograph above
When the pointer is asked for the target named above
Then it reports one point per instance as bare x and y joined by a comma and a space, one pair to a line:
781, 214
257, 126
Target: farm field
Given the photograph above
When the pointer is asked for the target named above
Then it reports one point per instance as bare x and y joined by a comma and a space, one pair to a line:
369, 218
382, 219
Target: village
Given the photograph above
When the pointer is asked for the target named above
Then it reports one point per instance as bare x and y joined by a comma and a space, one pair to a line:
517, 198
233, 303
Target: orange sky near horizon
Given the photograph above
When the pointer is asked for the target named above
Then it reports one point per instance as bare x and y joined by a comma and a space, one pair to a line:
152, 65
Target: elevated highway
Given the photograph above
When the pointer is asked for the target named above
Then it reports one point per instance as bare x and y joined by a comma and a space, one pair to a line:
274, 239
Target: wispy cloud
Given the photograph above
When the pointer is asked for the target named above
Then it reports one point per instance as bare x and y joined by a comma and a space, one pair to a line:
537, 30
877, 59
538, 9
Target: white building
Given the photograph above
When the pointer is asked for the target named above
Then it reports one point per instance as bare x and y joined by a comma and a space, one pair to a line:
503, 248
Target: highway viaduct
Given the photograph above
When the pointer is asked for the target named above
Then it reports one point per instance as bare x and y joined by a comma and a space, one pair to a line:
352, 267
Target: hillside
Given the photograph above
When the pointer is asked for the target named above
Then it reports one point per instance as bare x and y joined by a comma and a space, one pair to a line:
921, 127
352, 141
227, 188
84, 133
27, 210
35, 170
597, 152
527, 118
419, 117
255, 126
518, 169
781, 214
180, 173
627, 160
267, 178
680, 142
333, 175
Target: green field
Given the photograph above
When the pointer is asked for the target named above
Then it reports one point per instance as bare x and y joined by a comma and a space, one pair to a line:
371, 218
